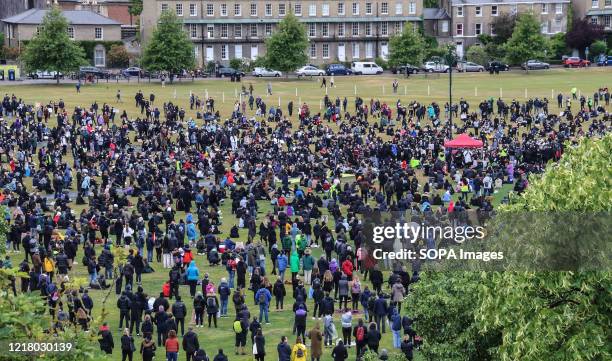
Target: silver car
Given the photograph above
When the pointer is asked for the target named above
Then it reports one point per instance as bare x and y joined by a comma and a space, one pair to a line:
469, 66
261, 72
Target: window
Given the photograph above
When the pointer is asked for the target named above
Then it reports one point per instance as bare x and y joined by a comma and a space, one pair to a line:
355, 8
164, 7
210, 31
494, 10
340, 8
460, 11
325, 29
369, 50
312, 10
98, 33
38, 28
71, 33
355, 29
384, 8
325, 9
193, 31
312, 30
254, 30
384, 29
606, 21
594, 20
99, 57
193, 9
179, 9
478, 29
325, 51
398, 8
355, 51
595, 4
210, 53
253, 9
544, 8
412, 8
196, 51
341, 29
445, 26
223, 9
459, 31
237, 31
368, 8
254, 51
608, 3
224, 30
224, 55
545, 27
492, 29
268, 9
238, 51
398, 27
559, 8
478, 11
237, 10
368, 29
313, 50
297, 9
210, 10
282, 10
268, 29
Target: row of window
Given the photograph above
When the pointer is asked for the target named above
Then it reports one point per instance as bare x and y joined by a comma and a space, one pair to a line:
98, 33
595, 3
341, 30
606, 21
297, 9
312, 51
479, 28
479, 10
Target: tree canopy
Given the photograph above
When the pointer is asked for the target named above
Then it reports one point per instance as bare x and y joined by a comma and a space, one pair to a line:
504, 25
51, 49
527, 41
286, 48
583, 33
407, 48
169, 48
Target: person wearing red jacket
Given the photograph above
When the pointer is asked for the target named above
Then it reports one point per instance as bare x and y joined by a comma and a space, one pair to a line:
347, 268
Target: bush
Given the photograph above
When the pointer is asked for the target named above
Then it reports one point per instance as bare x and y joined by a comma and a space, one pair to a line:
598, 47
382, 62
235, 63
117, 57
477, 54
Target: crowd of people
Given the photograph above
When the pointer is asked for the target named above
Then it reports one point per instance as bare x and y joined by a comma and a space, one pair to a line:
80, 183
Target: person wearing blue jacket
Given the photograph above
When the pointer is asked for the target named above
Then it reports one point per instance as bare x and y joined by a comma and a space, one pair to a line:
263, 298
192, 234
396, 328
363, 299
380, 312
193, 275
282, 263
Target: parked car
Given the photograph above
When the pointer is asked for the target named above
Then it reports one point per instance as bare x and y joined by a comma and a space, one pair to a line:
575, 62
226, 71
338, 69
604, 60
366, 68
132, 71
94, 71
534, 65
44, 74
309, 70
435, 67
260, 72
468, 66
403, 69
500, 66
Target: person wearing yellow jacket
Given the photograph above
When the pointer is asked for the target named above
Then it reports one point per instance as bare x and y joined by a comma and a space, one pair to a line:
299, 351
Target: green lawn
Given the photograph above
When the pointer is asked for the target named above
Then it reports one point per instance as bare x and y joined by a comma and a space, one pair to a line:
472, 87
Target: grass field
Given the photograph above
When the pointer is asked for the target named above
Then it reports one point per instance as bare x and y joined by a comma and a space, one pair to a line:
472, 87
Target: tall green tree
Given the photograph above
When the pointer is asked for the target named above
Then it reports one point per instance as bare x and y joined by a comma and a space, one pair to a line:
286, 48
51, 49
135, 7
527, 41
504, 25
169, 48
477, 54
409, 47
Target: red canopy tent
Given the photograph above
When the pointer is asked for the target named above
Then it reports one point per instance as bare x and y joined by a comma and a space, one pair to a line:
463, 141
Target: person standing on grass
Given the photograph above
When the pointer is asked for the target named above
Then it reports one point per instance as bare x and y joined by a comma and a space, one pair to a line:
199, 304
339, 352
190, 343
316, 342
284, 350
127, 345
147, 349
259, 346
172, 346
263, 299
193, 275
179, 310
212, 307
299, 350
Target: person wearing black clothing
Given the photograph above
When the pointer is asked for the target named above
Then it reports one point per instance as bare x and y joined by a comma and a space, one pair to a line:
175, 280
376, 277
284, 350
147, 327
373, 338
220, 356
106, 339
200, 355
212, 306
138, 264
161, 301
260, 344
160, 321
407, 348
381, 309
179, 310
124, 305
199, 304
127, 346
339, 352
147, 349
138, 304
190, 343
279, 293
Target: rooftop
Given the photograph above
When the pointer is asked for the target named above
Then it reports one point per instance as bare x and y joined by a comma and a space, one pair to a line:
505, 2
435, 14
75, 17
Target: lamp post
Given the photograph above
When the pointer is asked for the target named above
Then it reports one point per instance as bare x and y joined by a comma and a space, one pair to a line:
451, 60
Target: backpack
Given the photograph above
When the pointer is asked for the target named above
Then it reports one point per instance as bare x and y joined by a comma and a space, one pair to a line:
175, 276
210, 302
262, 298
299, 353
360, 334
48, 265
237, 326
300, 312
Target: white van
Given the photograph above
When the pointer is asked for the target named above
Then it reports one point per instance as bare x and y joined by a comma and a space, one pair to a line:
365, 68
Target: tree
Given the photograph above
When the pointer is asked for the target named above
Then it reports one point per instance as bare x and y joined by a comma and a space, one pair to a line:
1, 45
52, 49
118, 56
504, 25
477, 54
169, 48
431, 4
598, 47
527, 41
135, 7
407, 48
583, 33
558, 45
286, 48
